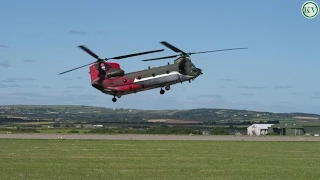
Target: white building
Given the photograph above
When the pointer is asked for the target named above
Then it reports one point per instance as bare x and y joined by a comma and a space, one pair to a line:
98, 126
258, 129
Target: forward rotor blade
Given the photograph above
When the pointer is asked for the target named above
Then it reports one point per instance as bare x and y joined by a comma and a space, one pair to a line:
216, 50
173, 48
136, 54
165, 57
88, 51
76, 68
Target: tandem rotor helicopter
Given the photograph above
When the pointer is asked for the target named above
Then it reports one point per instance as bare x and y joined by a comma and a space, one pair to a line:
110, 79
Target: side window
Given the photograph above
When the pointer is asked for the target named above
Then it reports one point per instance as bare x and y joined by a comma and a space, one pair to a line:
192, 67
104, 66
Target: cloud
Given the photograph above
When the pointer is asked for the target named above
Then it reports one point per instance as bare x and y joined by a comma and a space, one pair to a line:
282, 102
21, 79
31, 85
67, 91
8, 86
216, 96
81, 33
28, 61
247, 94
12, 80
250, 87
283, 87
79, 77
4, 64
298, 94
46, 87
74, 87
25, 95
67, 79
227, 79
39, 98
316, 95
4, 46
100, 32
222, 87
6, 81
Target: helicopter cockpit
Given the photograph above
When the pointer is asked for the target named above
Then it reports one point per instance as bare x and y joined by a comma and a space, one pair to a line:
103, 66
194, 69
180, 58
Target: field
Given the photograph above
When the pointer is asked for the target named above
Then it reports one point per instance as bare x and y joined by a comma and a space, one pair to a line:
129, 159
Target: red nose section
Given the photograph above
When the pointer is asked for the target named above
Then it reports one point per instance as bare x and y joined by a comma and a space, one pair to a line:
94, 72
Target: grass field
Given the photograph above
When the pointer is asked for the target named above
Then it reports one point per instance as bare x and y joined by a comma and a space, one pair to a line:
112, 159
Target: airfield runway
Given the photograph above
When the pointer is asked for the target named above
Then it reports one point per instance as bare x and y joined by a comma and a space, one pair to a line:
158, 137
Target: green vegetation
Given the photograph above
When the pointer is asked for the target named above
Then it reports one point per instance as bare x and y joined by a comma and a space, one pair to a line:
99, 159
218, 131
98, 114
63, 131
86, 119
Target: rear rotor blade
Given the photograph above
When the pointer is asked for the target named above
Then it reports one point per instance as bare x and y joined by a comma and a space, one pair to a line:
76, 68
173, 48
165, 57
216, 50
88, 51
135, 54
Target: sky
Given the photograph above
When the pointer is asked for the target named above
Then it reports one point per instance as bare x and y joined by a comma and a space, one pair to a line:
278, 73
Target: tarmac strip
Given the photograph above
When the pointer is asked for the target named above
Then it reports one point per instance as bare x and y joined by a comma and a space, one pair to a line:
159, 137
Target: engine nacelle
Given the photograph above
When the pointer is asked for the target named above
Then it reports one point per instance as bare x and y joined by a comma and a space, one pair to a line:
115, 73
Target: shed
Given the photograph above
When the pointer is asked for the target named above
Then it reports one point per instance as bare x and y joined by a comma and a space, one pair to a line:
258, 129
291, 129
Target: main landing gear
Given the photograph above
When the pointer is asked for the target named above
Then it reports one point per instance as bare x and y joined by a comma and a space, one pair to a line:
162, 91
167, 88
114, 99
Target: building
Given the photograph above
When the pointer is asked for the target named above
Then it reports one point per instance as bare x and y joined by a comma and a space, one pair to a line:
98, 126
293, 129
290, 129
258, 129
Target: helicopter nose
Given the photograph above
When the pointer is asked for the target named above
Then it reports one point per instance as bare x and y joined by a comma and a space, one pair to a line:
199, 70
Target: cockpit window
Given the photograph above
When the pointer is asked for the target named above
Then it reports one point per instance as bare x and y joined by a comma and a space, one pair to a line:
104, 66
193, 68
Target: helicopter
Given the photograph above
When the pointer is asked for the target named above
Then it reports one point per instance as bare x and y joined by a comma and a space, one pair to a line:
110, 79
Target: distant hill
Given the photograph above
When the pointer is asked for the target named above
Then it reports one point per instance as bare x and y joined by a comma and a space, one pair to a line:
92, 113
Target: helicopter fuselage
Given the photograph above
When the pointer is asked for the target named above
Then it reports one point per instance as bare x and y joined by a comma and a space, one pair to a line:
127, 83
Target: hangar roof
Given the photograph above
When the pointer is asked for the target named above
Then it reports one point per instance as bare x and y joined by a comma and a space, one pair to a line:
261, 126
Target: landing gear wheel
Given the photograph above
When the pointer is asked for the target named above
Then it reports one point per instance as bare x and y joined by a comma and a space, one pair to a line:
167, 88
162, 91
114, 99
